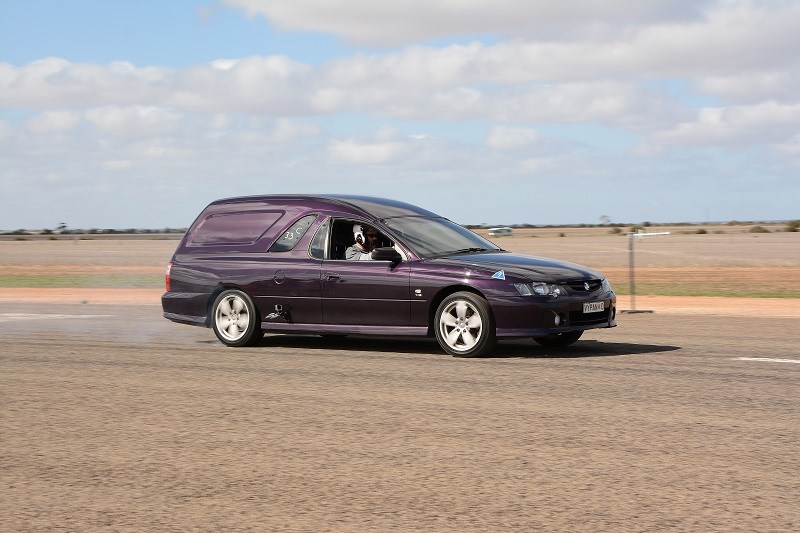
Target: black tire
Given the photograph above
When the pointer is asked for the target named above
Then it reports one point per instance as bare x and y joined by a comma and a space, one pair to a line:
235, 319
464, 326
559, 340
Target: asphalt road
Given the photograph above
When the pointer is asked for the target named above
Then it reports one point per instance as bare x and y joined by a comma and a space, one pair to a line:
114, 418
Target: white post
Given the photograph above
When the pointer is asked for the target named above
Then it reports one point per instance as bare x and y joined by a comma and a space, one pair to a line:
632, 268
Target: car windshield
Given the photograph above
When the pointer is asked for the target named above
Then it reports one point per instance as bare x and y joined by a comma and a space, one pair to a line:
432, 237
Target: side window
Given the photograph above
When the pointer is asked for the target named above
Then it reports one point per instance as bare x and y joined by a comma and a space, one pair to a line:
292, 235
233, 228
342, 236
320, 242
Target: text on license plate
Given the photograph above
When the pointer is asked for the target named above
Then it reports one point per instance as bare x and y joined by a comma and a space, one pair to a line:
593, 307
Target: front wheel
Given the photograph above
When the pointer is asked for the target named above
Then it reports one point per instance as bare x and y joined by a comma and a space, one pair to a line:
464, 326
235, 319
559, 340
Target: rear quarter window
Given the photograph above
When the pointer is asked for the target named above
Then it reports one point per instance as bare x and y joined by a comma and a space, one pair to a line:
233, 228
293, 234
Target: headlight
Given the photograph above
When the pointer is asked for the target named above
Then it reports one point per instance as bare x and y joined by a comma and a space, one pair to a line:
606, 286
539, 289
524, 289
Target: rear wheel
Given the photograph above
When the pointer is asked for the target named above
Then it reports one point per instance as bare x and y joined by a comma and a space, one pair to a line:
463, 325
556, 340
235, 319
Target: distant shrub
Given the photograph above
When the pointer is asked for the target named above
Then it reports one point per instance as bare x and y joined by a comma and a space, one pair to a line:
636, 228
562, 234
759, 229
701, 231
793, 226
615, 231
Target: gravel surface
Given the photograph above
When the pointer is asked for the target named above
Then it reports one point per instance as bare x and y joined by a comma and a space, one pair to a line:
114, 418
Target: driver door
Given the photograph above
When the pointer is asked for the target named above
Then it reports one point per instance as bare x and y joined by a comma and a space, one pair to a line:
368, 293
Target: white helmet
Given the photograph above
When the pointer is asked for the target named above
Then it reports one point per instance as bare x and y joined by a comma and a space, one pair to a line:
358, 233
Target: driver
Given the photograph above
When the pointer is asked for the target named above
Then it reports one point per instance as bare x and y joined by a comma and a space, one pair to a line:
366, 241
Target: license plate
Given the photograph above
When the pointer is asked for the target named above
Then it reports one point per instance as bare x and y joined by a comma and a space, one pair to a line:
593, 307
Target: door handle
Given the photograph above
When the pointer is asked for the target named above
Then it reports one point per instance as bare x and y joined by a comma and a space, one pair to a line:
329, 276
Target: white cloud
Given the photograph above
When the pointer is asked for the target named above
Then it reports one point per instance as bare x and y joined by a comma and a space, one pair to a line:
790, 148
271, 85
6, 130
753, 87
56, 83
117, 164
544, 165
740, 52
53, 122
288, 131
626, 104
391, 23
381, 147
260, 133
505, 138
543, 96
260, 85
545, 40
724, 44
135, 122
735, 126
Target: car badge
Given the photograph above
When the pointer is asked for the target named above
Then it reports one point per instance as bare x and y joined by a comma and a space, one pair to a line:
500, 274
586, 285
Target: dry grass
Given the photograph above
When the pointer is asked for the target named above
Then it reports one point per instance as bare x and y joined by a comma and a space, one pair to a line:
732, 264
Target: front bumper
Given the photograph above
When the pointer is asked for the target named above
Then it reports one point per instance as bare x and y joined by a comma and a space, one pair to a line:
536, 317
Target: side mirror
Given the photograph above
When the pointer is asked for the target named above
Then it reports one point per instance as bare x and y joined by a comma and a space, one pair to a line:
386, 254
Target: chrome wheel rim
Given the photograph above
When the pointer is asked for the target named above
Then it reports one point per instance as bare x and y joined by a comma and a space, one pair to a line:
460, 325
232, 317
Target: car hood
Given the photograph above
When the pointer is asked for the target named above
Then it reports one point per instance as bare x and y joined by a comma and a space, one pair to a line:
523, 266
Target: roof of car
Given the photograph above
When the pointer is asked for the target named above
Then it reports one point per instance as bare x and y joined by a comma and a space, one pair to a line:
370, 205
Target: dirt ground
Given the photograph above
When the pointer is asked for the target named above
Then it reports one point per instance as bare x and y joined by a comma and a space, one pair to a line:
598, 251
708, 264
113, 418
116, 419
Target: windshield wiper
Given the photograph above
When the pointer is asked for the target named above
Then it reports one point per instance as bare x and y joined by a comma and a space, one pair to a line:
461, 251
467, 250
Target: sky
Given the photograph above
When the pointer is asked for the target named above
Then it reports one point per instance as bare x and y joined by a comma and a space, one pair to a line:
138, 114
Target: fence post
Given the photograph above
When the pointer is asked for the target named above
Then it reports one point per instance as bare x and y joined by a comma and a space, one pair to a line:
632, 269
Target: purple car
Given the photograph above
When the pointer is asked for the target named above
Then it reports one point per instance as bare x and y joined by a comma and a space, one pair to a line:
341, 265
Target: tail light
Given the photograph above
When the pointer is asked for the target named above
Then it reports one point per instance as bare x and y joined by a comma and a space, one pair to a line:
167, 280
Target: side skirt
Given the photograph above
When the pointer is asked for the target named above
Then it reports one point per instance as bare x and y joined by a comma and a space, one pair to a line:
403, 331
